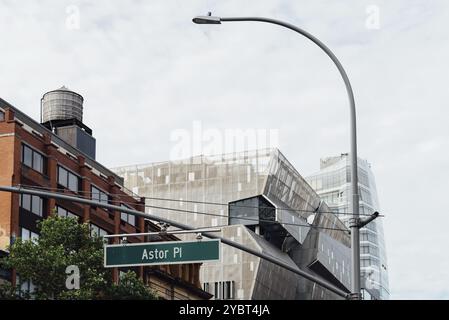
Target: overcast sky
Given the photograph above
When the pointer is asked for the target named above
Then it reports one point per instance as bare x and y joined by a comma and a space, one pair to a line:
149, 76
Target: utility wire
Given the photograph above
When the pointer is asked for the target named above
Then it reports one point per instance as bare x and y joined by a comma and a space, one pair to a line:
270, 258
218, 215
248, 219
240, 218
247, 206
202, 202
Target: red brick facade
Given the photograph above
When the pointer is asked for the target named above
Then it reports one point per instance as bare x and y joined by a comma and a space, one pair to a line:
171, 281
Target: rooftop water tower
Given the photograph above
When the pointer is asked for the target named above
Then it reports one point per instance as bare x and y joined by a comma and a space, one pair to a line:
62, 113
61, 104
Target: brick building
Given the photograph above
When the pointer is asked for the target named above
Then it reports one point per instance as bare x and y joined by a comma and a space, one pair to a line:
59, 154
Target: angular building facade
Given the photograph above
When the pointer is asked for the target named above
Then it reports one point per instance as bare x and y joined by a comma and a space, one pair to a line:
256, 198
332, 183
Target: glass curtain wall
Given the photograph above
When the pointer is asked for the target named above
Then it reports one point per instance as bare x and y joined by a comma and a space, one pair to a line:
332, 183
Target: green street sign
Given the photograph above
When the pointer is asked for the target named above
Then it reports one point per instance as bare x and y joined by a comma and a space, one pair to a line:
154, 253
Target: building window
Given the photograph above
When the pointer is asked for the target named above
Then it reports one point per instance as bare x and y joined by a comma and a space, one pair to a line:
26, 287
368, 236
2, 116
217, 290
121, 274
365, 263
32, 204
96, 231
99, 195
33, 159
223, 290
65, 213
27, 156
68, 179
28, 235
126, 217
228, 290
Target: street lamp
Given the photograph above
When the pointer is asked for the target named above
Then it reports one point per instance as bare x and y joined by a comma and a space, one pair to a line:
355, 223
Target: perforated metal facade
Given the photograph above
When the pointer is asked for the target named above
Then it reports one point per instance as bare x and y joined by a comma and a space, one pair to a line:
199, 190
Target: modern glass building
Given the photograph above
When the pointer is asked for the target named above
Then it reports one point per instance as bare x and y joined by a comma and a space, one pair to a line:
332, 183
256, 198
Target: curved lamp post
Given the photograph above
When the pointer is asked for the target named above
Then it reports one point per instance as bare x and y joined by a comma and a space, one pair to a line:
354, 222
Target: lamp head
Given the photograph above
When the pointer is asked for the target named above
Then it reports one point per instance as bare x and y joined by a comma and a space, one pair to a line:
209, 19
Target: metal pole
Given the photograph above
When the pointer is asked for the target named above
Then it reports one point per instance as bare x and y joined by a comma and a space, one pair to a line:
261, 255
355, 241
